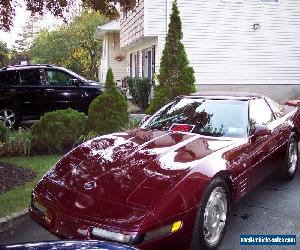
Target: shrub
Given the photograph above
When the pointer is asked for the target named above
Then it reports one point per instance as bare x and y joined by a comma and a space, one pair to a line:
175, 77
140, 89
59, 130
18, 143
83, 138
108, 112
132, 124
4, 132
160, 99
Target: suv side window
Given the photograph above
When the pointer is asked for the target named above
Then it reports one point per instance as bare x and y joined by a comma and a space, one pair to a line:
29, 77
8, 78
57, 78
260, 113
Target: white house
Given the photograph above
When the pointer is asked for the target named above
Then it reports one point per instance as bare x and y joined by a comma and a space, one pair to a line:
245, 45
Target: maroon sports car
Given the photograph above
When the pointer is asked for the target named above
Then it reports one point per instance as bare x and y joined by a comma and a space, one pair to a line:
170, 183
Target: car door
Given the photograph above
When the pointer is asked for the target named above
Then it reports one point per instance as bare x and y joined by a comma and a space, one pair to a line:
28, 92
59, 91
261, 153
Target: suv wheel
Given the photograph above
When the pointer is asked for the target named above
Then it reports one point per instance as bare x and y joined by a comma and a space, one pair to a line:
9, 117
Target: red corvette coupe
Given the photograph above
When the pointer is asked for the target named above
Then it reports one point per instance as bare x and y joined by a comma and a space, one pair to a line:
170, 183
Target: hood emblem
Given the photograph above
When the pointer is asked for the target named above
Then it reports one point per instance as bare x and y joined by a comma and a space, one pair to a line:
90, 185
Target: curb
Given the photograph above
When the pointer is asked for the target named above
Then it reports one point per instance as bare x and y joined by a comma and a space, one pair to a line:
13, 220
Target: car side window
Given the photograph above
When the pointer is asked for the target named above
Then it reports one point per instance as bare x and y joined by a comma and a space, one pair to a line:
29, 77
8, 78
57, 78
260, 113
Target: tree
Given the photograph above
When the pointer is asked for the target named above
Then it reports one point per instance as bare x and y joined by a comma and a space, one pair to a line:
59, 8
108, 112
71, 45
175, 77
26, 37
4, 52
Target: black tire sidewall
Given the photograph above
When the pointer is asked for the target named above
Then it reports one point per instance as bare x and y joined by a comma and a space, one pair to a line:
198, 240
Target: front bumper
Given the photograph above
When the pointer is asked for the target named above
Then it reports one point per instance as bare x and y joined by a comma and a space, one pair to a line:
66, 226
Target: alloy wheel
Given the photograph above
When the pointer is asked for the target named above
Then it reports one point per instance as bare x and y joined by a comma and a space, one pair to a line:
8, 117
215, 216
293, 156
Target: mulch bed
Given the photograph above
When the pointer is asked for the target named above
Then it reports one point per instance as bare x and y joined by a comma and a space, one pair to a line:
12, 176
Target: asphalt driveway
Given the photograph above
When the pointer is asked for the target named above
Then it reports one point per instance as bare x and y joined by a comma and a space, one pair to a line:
271, 208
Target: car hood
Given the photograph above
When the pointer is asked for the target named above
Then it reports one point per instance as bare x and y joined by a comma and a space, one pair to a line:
127, 173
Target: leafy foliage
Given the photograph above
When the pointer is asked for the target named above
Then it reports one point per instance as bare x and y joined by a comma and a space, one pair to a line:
18, 143
140, 89
59, 8
72, 45
4, 132
108, 112
175, 76
4, 60
27, 35
59, 130
159, 100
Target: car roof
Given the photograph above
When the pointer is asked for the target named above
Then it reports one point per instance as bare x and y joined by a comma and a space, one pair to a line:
225, 95
29, 66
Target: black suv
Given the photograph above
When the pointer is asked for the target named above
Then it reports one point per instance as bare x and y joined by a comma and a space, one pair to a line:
27, 92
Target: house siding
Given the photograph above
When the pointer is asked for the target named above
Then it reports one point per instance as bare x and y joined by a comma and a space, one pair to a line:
132, 27
118, 68
108, 61
222, 45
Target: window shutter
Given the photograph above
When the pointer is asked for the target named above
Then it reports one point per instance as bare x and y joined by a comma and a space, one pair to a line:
138, 64
143, 63
130, 65
153, 59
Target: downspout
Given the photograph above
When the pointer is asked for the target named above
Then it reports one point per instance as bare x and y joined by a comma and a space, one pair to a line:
167, 15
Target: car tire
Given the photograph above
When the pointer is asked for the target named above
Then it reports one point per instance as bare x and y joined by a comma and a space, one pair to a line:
290, 165
10, 117
210, 222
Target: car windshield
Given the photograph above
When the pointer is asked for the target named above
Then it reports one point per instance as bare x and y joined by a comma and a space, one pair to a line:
228, 118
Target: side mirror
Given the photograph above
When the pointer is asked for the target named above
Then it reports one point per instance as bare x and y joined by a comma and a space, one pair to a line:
293, 103
261, 130
75, 82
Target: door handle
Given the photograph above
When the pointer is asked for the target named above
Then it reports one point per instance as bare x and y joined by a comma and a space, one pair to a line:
49, 90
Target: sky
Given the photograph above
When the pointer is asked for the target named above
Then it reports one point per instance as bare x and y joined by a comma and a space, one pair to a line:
22, 15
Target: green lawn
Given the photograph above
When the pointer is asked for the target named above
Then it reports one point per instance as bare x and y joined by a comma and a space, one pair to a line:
19, 198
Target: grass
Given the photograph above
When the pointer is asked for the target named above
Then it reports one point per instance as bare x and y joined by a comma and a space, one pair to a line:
19, 198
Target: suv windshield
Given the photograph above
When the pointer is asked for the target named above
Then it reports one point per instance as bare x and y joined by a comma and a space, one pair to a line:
207, 117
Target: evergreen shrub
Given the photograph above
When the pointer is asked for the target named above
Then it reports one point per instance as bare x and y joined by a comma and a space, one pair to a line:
108, 112
140, 90
175, 77
58, 131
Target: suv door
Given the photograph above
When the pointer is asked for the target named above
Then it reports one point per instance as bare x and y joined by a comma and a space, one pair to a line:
59, 91
29, 92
